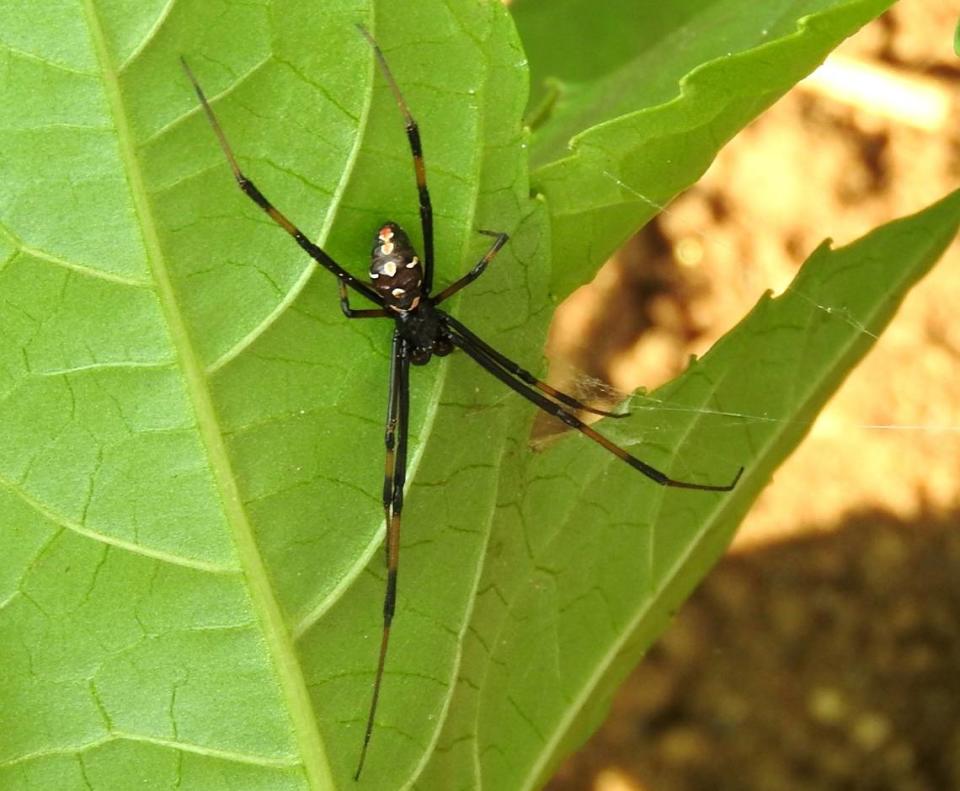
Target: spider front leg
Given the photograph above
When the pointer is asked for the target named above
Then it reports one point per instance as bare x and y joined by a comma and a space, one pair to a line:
500, 239
523, 375
489, 364
253, 192
416, 151
394, 480
350, 313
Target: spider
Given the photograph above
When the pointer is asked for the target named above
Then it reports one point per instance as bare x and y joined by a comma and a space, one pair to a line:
401, 285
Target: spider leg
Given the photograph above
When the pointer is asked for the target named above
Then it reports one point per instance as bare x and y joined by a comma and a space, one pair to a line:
251, 191
482, 358
350, 313
398, 408
413, 136
525, 376
473, 274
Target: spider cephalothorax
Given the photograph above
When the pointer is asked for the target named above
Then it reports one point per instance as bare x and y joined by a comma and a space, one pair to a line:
425, 332
395, 269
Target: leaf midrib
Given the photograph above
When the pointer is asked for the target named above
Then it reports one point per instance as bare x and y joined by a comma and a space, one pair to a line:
289, 673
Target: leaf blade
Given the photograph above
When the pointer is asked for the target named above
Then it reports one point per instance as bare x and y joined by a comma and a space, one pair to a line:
563, 615
615, 151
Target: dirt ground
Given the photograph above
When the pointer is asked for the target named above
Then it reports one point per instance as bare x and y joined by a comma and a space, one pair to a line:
823, 652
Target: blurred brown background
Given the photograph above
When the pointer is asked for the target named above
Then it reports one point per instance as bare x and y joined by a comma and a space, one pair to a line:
824, 651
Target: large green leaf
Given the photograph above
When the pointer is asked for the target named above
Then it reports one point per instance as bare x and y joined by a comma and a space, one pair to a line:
638, 118
191, 433
192, 447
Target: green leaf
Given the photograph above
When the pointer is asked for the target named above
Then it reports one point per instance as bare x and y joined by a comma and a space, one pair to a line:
191, 432
587, 564
621, 134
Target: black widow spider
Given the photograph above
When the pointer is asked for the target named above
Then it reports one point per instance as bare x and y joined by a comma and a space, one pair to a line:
402, 286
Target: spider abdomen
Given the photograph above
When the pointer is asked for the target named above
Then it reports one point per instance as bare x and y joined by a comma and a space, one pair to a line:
395, 269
